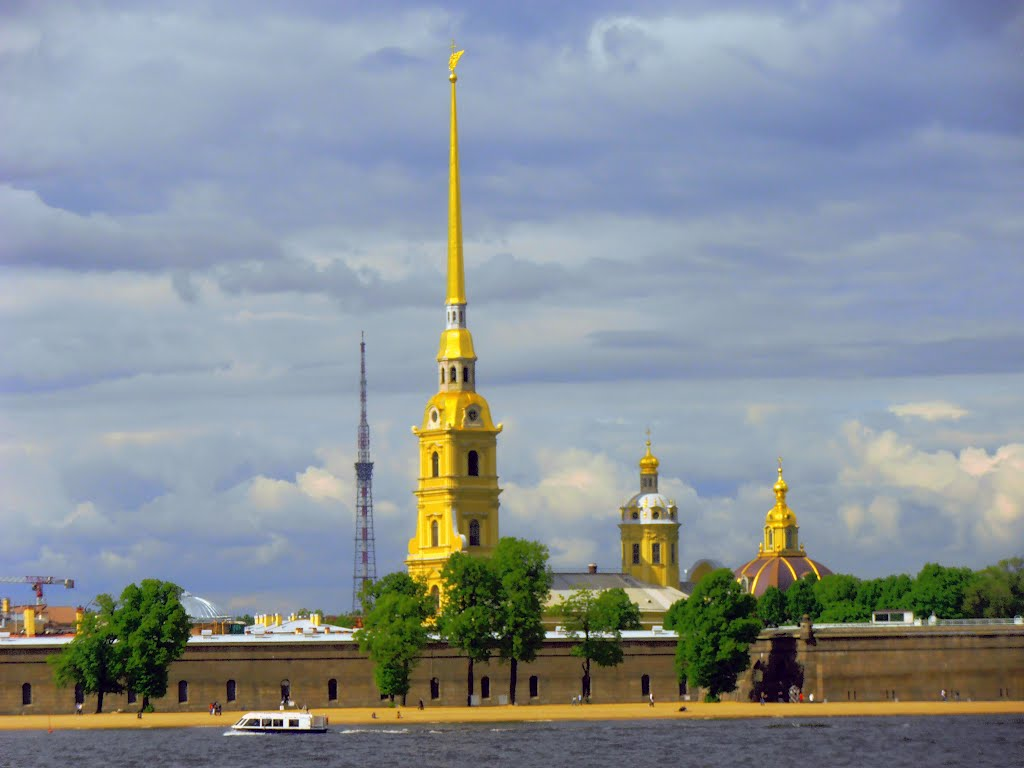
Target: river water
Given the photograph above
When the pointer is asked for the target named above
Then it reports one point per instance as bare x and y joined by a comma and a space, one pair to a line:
844, 741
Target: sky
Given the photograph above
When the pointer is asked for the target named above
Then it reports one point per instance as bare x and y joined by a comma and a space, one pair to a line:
757, 229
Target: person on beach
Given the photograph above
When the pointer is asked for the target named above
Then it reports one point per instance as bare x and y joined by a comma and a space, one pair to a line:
762, 698
421, 703
651, 697
942, 694
78, 707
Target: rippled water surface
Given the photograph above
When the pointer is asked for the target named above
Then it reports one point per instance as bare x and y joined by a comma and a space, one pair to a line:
848, 741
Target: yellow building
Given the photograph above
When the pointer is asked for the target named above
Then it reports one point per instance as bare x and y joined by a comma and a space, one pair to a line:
781, 558
457, 491
650, 531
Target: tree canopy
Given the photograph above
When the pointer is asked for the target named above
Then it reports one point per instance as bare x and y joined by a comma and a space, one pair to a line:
152, 630
469, 614
127, 644
522, 569
716, 626
596, 620
92, 658
395, 630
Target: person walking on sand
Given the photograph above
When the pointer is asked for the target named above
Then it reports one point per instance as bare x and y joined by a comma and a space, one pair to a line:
651, 697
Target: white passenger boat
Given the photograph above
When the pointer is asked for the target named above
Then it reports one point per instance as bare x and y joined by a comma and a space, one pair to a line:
281, 722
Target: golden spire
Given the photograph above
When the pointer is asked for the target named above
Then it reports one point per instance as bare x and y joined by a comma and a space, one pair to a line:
456, 274
780, 486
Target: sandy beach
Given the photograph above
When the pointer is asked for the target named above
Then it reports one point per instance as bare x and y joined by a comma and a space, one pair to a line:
412, 715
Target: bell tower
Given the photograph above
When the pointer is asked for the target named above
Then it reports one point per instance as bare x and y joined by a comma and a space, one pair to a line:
650, 530
457, 491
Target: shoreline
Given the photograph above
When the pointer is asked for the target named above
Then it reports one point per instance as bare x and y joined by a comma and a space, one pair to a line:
363, 716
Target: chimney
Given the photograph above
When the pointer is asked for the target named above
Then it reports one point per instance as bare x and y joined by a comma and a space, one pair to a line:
592, 568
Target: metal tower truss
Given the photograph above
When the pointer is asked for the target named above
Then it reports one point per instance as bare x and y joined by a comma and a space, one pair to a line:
364, 568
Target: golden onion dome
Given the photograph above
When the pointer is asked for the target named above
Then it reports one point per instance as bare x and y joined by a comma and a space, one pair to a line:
649, 463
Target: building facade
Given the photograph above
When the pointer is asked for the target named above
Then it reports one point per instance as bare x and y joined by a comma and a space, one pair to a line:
649, 530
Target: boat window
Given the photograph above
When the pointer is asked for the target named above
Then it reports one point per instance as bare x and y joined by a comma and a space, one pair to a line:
266, 722
293, 723
253, 722
278, 722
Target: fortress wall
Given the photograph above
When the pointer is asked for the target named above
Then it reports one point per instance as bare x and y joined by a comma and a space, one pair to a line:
912, 663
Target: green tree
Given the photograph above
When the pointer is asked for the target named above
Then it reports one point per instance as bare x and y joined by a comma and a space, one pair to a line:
152, 630
522, 568
997, 591
596, 620
92, 658
801, 600
771, 607
468, 619
837, 595
395, 630
940, 590
887, 593
715, 628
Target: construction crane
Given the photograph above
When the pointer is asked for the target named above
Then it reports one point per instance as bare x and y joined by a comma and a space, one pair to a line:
37, 583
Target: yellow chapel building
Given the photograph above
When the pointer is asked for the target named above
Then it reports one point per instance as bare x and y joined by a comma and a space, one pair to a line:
457, 490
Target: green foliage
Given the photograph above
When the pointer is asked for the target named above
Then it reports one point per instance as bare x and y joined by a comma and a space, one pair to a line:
152, 630
837, 597
91, 659
997, 591
246, 618
801, 600
472, 598
522, 569
940, 590
771, 608
673, 613
716, 627
394, 630
596, 620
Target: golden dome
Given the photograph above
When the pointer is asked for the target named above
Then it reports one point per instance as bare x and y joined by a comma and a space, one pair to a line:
649, 463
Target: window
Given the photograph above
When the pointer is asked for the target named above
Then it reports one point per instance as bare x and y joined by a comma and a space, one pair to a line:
656, 514
332, 690
79, 694
645, 685
534, 686
231, 691
182, 691
682, 687
673, 554
465, 375
474, 533
636, 554
435, 689
434, 464
635, 516
26, 694
656, 554
485, 687
771, 542
434, 536
474, 464
132, 697
452, 375
442, 375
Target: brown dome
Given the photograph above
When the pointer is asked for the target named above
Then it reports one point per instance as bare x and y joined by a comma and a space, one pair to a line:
778, 571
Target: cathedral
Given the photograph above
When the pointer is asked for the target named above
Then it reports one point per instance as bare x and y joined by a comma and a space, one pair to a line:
457, 489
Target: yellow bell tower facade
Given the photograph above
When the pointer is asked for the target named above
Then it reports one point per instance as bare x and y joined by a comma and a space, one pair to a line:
650, 531
457, 491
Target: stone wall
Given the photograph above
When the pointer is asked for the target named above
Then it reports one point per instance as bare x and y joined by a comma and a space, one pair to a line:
862, 663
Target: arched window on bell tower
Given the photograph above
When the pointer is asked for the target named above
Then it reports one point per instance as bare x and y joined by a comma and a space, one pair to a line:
474, 464
434, 464
474, 533
434, 534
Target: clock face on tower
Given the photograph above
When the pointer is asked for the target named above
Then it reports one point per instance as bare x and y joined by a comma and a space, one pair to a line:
472, 414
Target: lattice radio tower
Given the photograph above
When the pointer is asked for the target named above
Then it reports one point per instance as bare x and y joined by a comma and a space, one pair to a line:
365, 564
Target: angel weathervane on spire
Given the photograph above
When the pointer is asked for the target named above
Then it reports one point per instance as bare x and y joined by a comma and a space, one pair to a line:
454, 58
